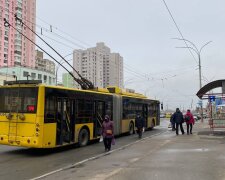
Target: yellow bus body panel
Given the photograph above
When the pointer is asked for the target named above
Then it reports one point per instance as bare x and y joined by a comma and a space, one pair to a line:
27, 132
49, 135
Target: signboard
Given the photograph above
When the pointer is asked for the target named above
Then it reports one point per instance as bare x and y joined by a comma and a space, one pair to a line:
212, 98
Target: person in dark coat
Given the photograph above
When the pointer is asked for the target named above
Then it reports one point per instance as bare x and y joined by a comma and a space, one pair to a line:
172, 122
107, 132
139, 123
178, 119
189, 119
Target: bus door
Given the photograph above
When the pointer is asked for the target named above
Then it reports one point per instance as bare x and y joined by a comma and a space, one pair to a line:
99, 113
145, 114
72, 119
64, 127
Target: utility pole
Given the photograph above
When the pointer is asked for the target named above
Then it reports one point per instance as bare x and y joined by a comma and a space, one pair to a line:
198, 52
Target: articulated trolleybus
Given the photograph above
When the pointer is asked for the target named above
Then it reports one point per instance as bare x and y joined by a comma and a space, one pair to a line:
40, 116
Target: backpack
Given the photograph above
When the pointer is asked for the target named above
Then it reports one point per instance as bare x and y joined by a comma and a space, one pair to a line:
187, 118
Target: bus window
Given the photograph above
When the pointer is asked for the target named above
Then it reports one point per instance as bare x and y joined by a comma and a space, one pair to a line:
21, 100
84, 111
109, 109
50, 110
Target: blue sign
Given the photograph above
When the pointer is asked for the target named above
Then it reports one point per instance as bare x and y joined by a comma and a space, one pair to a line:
212, 98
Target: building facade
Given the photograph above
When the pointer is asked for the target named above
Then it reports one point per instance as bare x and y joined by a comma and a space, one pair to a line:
67, 80
43, 64
15, 50
99, 66
5, 77
24, 73
114, 71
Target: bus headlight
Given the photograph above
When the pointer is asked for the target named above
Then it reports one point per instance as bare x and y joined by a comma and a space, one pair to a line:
9, 116
22, 117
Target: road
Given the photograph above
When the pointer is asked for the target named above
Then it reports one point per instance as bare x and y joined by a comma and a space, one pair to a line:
22, 163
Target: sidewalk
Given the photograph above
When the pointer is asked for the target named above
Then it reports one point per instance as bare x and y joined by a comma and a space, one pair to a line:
163, 157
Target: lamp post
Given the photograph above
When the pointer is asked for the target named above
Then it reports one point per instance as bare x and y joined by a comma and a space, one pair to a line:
57, 68
198, 52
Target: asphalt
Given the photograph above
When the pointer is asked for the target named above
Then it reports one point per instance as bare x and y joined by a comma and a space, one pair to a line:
200, 156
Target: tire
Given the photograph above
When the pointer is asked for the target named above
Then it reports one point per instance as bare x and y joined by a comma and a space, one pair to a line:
83, 137
131, 128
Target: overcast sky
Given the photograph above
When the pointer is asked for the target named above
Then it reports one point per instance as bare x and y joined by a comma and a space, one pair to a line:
142, 31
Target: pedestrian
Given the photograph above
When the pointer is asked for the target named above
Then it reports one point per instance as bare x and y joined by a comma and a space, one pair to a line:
178, 119
107, 132
139, 123
172, 122
189, 119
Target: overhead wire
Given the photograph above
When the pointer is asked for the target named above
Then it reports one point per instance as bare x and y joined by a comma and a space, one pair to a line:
143, 75
130, 70
63, 31
173, 19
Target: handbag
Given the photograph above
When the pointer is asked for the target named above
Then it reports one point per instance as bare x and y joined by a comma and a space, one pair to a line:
109, 132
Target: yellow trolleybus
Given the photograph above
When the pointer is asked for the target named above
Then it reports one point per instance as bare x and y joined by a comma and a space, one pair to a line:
41, 116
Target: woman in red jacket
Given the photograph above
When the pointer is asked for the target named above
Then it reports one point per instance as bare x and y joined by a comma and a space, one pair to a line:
189, 121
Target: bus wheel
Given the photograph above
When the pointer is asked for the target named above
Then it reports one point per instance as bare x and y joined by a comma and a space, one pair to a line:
83, 138
131, 128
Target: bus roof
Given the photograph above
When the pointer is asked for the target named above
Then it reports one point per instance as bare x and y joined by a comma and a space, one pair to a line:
108, 91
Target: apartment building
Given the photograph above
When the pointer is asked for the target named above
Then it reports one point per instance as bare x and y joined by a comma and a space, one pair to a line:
113, 71
15, 50
43, 64
99, 65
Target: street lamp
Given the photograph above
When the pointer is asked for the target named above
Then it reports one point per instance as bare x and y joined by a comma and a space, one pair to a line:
57, 68
60, 63
198, 52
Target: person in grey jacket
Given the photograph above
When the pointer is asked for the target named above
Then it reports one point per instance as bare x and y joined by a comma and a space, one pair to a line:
178, 119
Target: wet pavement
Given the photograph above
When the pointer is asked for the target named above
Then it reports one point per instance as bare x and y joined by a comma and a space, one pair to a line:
22, 163
162, 157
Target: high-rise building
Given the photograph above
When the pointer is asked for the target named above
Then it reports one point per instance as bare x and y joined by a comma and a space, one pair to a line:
15, 50
99, 65
113, 71
43, 64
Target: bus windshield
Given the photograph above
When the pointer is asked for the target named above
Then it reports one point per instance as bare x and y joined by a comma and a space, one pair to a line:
21, 100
